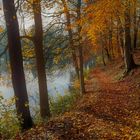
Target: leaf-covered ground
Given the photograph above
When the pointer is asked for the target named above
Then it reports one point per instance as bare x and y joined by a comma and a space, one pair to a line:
110, 110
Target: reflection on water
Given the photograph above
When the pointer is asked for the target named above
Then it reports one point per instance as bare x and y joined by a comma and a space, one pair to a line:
56, 84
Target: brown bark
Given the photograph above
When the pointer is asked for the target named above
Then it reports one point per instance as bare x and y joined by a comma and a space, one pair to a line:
135, 25
69, 28
82, 84
103, 58
128, 56
80, 48
102, 49
40, 62
110, 39
16, 62
119, 38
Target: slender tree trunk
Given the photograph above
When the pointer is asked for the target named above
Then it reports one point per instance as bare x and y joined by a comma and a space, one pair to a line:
75, 64
80, 47
69, 28
118, 42
107, 54
107, 48
82, 84
135, 25
103, 58
135, 37
119, 38
42, 80
128, 56
102, 49
121, 44
110, 38
121, 35
16, 62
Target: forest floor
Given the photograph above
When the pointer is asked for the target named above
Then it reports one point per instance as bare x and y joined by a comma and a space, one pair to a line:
110, 109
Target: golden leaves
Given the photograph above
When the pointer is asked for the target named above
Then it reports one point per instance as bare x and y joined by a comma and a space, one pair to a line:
14, 17
1, 29
28, 52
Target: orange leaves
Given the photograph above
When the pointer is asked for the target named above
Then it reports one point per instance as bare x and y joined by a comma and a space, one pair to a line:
100, 23
68, 27
90, 16
14, 17
76, 84
105, 112
65, 10
1, 29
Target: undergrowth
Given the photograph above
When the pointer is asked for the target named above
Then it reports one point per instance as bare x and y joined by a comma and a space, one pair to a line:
9, 123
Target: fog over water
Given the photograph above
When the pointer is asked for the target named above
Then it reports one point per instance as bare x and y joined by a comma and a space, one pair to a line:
56, 85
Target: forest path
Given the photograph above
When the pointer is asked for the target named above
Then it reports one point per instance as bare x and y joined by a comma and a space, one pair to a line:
108, 111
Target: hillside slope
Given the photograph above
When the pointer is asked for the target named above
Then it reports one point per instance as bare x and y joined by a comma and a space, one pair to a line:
110, 110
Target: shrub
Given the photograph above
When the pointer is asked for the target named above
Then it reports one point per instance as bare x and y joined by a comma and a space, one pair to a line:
61, 104
9, 124
86, 73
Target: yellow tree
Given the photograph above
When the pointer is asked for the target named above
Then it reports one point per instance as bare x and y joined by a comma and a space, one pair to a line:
112, 19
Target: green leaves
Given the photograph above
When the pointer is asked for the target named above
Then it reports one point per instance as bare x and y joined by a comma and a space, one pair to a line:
9, 124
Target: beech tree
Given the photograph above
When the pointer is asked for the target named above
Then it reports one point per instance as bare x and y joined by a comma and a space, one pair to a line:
38, 42
16, 62
70, 34
80, 47
118, 22
128, 55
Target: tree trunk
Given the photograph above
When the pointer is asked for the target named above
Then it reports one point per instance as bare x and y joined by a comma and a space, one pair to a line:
82, 84
107, 54
103, 58
42, 80
135, 25
110, 39
68, 24
128, 56
121, 36
75, 64
106, 48
135, 37
80, 47
102, 49
16, 62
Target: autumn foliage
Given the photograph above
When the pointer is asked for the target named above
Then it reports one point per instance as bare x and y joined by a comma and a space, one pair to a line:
97, 43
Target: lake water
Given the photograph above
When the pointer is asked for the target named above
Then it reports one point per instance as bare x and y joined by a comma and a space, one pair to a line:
58, 83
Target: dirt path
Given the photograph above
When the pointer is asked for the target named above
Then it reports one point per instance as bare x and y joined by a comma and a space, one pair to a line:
108, 111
